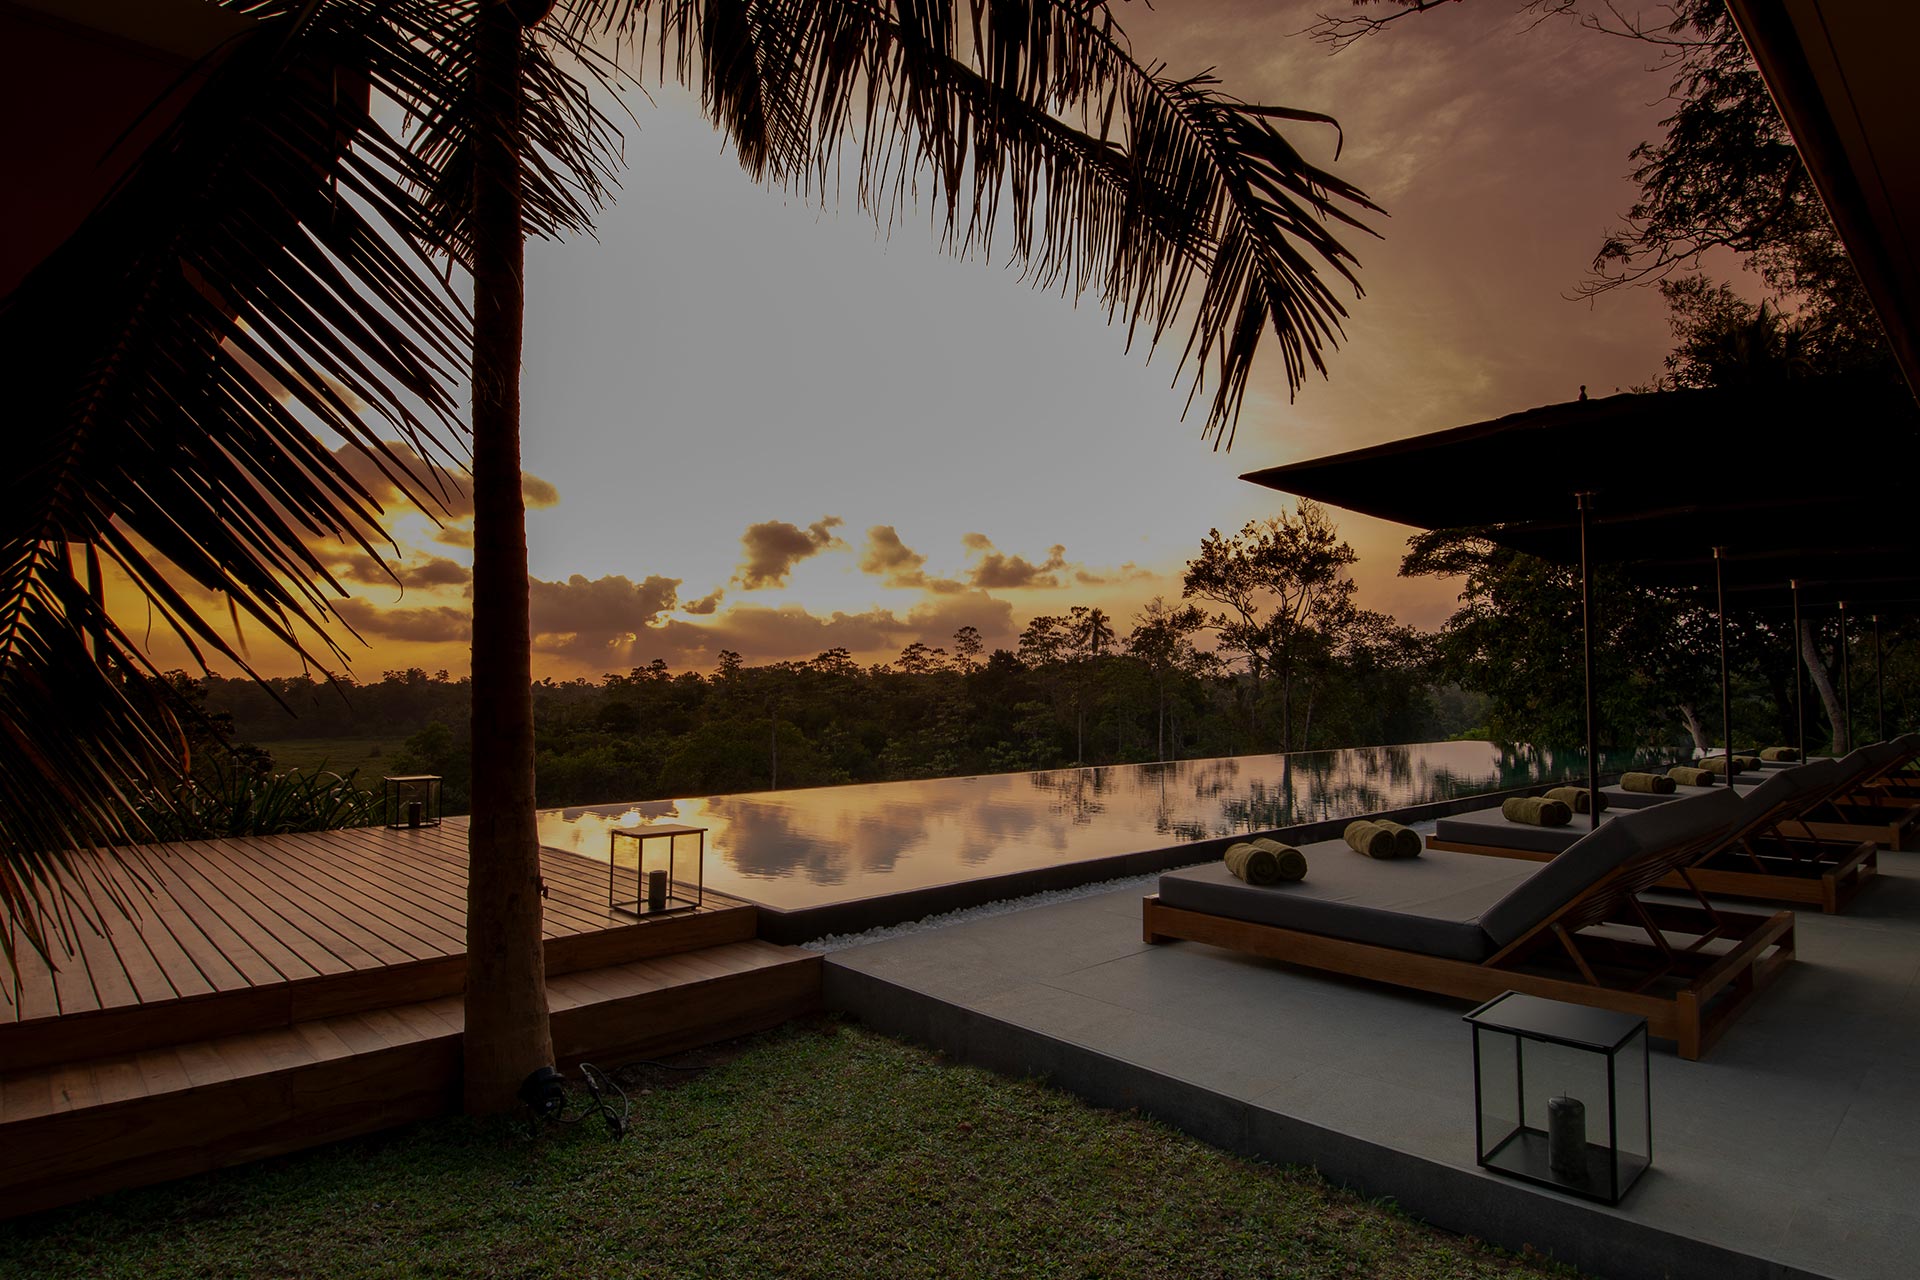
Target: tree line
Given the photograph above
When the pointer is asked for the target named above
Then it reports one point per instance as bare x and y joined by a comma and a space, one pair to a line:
1265, 650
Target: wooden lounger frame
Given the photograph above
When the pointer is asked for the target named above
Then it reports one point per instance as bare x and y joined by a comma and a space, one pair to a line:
1776, 855
1863, 809
1687, 994
1901, 832
1820, 873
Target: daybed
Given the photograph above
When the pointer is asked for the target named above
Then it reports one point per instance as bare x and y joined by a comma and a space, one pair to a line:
1573, 929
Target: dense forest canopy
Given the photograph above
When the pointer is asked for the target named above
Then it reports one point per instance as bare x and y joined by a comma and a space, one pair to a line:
1266, 652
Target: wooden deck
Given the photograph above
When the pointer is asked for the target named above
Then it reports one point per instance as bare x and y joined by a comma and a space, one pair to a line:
246, 997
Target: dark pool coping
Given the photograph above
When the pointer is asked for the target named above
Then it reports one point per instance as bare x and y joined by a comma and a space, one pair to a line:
804, 924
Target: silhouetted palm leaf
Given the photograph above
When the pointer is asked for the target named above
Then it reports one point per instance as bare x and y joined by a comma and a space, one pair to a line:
1117, 177
251, 288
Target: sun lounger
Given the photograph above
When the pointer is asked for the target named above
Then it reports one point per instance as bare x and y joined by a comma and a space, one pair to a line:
1852, 812
1766, 854
1573, 929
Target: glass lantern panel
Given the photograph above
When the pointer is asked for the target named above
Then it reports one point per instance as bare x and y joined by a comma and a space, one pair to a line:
686, 860
1632, 1106
1499, 1088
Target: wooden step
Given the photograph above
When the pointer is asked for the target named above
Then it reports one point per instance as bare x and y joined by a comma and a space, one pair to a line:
82, 1128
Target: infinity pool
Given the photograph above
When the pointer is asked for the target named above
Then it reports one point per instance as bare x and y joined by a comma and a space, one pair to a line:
794, 850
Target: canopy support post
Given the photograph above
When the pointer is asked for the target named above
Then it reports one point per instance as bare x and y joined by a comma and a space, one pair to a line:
1879, 689
1584, 501
1846, 681
1726, 695
1799, 712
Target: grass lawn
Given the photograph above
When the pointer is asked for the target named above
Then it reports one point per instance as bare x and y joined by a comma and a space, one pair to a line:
816, 1150
373, 757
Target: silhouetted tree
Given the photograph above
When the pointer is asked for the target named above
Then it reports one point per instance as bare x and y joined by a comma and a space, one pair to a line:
1283, 590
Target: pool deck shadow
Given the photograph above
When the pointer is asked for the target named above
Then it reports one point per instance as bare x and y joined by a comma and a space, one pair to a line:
1792, 1150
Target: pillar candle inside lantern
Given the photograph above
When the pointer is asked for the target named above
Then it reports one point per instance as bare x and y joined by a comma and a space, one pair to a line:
1567, 1137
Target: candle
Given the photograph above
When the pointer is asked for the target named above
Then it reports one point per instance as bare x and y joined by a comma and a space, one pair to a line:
656, 891
1567, 1137
415, 812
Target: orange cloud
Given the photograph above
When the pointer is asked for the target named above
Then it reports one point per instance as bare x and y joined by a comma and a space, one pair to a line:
428, 572
438, 624
899, 565
773, 547
998, 572
589, 619
450, 491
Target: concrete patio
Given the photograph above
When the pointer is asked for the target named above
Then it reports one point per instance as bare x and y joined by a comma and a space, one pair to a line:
1792, 1150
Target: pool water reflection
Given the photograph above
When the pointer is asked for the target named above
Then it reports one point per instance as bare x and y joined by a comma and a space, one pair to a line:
793, 850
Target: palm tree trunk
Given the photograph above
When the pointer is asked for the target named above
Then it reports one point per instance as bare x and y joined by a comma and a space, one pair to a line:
508, 1035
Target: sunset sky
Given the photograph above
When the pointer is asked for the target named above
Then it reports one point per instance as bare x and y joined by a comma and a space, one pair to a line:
760, 425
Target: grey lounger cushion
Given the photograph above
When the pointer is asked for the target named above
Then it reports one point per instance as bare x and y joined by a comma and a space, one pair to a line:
1491, 827
1462, 906
1795, 784
1430, 904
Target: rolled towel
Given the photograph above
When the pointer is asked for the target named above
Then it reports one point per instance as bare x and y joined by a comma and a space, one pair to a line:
1576, 798
1747, 763
1652, 784
1293, 863
1370, 838
1718, 765
1537, 811
1779, 755
1406, 841
1688, 777
1255, 866
1264, 861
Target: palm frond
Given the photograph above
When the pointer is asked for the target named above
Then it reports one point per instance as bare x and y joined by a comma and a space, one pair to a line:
1033, 116
252, 289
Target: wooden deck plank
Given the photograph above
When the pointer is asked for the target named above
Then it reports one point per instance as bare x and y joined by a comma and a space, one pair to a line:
419, 881
376, 900
294, 923
159, 931
284, 928
330, 902
227, 915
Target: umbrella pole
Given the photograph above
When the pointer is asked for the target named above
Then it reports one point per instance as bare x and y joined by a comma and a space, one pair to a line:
1799, 715
1726, 696
1846, 681
1879, 689
1585, 503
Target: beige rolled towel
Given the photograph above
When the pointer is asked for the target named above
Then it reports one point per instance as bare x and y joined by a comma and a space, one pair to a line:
1369, 838
1747, 763
1406, 841
1690, 777
1652, 784
1537, 811
1293, 863
1255, 866
1718, 765
1779, 755
1575, 798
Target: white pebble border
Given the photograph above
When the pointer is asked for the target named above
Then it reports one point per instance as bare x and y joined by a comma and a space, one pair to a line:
841, 941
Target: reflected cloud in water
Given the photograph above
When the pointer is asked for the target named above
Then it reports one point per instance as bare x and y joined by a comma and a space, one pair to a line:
798, 849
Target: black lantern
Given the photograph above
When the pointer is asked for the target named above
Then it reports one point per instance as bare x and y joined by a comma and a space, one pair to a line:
655, 870
412, 800
1562, 1095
